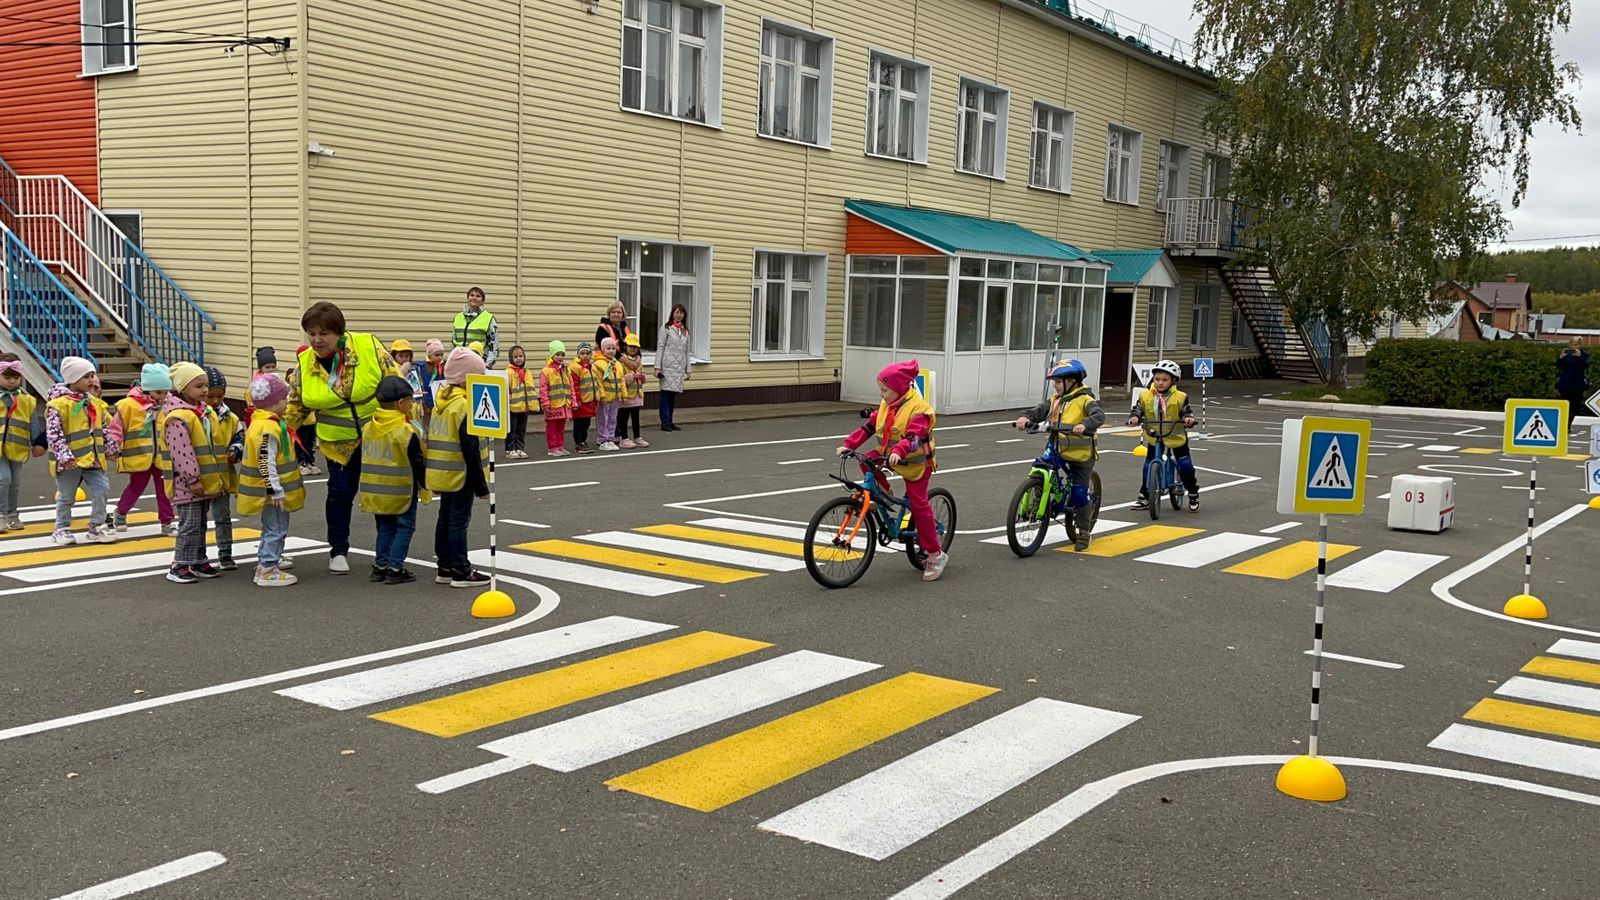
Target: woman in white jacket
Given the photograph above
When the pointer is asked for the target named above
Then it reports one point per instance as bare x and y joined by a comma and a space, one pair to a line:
672, 362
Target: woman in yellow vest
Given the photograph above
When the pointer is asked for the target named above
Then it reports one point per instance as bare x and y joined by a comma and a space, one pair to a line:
556, 390
75, 427
1165, 408
393, 469
1076, 415
269, 481
196, 454
455, 472
903, 426
337, 379
524, 399
135, 430
17, 407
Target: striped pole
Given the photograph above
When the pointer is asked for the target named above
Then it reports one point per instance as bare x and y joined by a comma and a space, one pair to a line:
1316, 634
1203, 404
1527, 552
493, 567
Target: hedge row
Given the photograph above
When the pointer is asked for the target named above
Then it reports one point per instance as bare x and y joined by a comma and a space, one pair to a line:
1451, 375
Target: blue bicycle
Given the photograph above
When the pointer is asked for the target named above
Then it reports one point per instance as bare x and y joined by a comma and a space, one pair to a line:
1161, 466
845, 532
1043, 496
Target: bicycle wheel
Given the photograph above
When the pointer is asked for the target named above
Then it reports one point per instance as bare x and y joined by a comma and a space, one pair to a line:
840, 541
1094, 500
1152, 488
944, 514
1025, 526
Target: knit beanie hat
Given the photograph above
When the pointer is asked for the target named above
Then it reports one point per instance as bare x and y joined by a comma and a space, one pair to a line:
266, 356
268, 390
74, 368
393, 388
154, 377
461, 363
435, 346
184, 373
215, 378
899, 376
585, 346
557, 347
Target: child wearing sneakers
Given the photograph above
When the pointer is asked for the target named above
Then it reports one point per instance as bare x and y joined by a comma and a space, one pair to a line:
556, 388
17, 407
135, 429
392, 471
196, 461
455, 471
1074, 415
523, 400
632, 393
1164, 409
75, 430
269, 483
608, 375
229, 440
587, 390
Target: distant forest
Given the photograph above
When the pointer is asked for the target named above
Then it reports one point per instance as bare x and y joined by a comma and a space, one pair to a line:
1564, 279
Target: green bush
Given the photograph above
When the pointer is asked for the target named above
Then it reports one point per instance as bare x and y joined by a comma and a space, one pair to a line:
1453, 375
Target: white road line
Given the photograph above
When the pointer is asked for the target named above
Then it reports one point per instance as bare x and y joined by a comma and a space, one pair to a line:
1551, 692
1438, 448
43, 541
1011, 441
417, 675
579, 573
953, 446
1443, 587
446, 783
751, 526
1207, 550
524, 524
244, 551
1359, 659
693, 472
801, 462
1382, 497
1281, 527
557, 487
1440, 456
1579, 649
885, 811
1520, 749
166, 873
1384, 571
1058, 534
1517, 487
608, 733
714, 553
48, 513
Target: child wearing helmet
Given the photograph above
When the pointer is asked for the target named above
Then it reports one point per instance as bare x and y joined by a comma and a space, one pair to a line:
903, 424
1163, 403
1076, 415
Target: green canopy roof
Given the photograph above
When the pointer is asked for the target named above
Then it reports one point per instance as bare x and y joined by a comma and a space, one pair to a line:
955, 233
1129, 266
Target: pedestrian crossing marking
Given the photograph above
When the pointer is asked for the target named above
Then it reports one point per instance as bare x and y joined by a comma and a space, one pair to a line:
642, 562
577, 573
49, 526
1577, 457
1482, 451
44, 541
714, 775
1288, 562
1551, 692
1579, 649
712, 553
752, 526
1570, 669
1384, 571
750, 541
1208, 550
243, 552
1137, 539
98, 551
1520, 749
506, 701
1559, 722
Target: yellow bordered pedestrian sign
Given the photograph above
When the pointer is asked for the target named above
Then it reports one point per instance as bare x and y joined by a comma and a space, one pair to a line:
488, 415
1331, 475
1535, 427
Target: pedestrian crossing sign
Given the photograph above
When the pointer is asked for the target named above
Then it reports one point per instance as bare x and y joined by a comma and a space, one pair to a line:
925, 385
1204, 367
487, 416
1332, 467
1536, 427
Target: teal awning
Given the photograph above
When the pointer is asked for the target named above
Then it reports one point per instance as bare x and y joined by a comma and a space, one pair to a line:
1129, 266
956, 233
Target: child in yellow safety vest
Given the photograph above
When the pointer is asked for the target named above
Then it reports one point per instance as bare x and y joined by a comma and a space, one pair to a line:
393, 471
586, 393
269, 482
135, 430
903, 425
1075, 415
455, 471
556, 396
1164, 409
75, 428
524, 400
196, 454
230, 435
608, 377
633, 378
17, 407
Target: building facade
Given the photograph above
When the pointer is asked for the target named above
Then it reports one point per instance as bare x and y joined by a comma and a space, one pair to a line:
824, 187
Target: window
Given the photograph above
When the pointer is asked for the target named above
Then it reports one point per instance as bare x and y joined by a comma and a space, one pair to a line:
1218, 176
1161, 320
786, 304
912, 292
897, 109
1122, 164
1050, 166
108, 37
1174, 173
1240, 328
796, 85
981, 129
652, 277
1203, 324
671, 58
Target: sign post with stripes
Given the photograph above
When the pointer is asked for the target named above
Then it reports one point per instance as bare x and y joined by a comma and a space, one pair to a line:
487, 417
1535, 428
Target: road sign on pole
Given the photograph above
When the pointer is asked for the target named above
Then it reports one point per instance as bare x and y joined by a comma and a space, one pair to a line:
1594, 440
1143, 371
1331, 471
925, 385
489, 416
1204, 367
1535, 427
1591, 476
1593, 402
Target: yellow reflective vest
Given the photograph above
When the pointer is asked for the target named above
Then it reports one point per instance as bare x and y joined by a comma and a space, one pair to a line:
387, 485
1067, 411
16, 426
203, 434
228, 426
446, 465
140, 424
524, 395
608, 379
340, 419
254, 489
557, 385
588, 382
1167, 411
892, 423
475, 331
86, 441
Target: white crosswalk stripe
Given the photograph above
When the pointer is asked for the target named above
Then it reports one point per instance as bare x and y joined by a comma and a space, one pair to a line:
1058, 533
1384, 571
1552, 692
1520, 749
244, 551
715, 553
751, 526
579, 573
1207, 550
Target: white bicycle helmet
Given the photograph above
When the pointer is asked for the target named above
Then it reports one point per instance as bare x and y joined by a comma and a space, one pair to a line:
1169, 367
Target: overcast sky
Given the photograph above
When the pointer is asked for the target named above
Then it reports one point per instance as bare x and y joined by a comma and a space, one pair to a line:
1563, 193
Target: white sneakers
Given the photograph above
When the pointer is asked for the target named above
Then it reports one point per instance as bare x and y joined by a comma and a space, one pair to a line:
934, 567
63, 538
271, 578
102, 535
609, 446
339, 565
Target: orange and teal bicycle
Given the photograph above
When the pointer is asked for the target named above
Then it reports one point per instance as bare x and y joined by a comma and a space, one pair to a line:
845, 532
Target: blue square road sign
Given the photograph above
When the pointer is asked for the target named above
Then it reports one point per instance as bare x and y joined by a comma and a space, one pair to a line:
1332, 471
1204, 367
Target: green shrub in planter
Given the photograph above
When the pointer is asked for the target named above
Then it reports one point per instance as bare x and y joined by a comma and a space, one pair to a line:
1453, 375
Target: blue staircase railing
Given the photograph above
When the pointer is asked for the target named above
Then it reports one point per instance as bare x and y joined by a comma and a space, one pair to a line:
162, 318
46, 317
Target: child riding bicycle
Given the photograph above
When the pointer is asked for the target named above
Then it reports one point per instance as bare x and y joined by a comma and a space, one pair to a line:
1162, 406
903, 424
1074, 413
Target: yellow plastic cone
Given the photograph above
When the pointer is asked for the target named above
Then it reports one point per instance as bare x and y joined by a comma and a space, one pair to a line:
1526, 606
493, 605
1594, 503
1140, 451
1311, 778
81, 496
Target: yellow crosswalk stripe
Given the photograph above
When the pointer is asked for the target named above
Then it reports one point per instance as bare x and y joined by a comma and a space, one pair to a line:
1137, 539
722, 772
540, 692
38, 528
747, 541
78, 552
1482, 451
643, 562
1570, 669
1288, 562
1574, 456
1559, 722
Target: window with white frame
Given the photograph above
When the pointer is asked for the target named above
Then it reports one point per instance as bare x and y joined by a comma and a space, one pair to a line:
1122, 164
981, 129
653, 277
1161, 319
671, 58
1174, 173
1218, 176
796, 85
897, 302
1050, 166
897, 108
108, 37
786, 304
1240, 330
1203, 321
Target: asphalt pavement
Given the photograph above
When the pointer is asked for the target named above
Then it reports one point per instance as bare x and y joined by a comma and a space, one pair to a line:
678, 710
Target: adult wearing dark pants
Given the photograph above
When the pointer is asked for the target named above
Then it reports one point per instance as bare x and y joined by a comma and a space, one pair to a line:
1573, 382
337, 379
476, 325
672, 363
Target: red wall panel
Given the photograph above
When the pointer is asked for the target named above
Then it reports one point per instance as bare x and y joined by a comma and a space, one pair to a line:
47, 111
871, 239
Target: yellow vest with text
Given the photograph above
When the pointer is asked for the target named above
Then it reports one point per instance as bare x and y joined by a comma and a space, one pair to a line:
387, 485
339, 419
524, 391
892, 430
446, 465
254, 490
1175, 399
1066, 412
87, 443
139, 429
212, 456
17, 434
474, 330
558, 384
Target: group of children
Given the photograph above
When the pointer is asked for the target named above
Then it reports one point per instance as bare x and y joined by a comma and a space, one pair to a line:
606, 388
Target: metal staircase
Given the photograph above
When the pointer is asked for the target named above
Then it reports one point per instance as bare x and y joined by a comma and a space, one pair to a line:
1298, 353
103, 296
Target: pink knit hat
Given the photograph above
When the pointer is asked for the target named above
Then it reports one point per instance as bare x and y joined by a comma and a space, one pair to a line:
460, 363
434, 346
899, 376
267, 390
